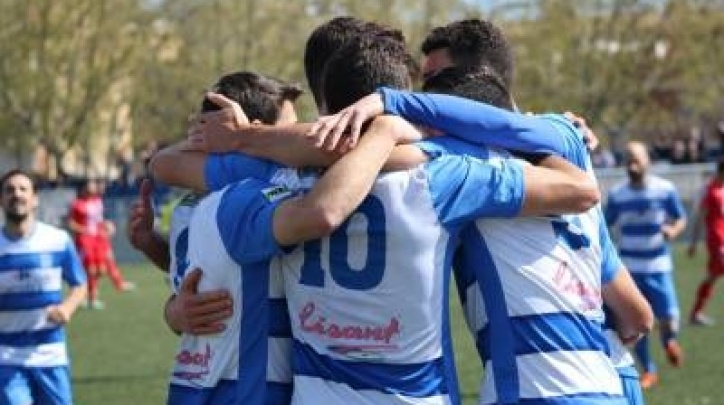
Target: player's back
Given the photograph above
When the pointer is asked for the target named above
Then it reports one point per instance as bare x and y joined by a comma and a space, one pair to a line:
369, 303
253, 348
536, 310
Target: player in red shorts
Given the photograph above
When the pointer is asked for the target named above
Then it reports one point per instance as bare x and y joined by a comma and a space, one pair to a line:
92, 234
710, 216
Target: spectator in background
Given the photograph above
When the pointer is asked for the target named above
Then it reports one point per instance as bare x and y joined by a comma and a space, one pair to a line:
710, 215
648, 212
679, 152
92, 234
35, 260
662, 147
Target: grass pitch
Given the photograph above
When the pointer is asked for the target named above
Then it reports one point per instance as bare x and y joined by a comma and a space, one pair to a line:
121, 355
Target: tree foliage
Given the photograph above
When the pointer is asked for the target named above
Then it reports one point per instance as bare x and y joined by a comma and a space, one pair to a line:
74, 71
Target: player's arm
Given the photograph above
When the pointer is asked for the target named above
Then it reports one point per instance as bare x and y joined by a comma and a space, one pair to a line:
74, 275
469, 120
140, 231
342, 188
677, 212
62, 312
632, 314
556, 186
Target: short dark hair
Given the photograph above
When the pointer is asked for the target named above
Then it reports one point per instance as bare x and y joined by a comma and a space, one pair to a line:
473, 43
261, 97
329, 37
361, 66
480, 84
19, 172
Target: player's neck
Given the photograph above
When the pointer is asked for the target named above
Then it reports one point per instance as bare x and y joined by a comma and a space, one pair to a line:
19, 230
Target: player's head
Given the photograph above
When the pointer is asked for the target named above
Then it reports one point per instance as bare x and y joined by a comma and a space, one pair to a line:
361, 66
264, 99
328, 38
480, 84
19, 198
90, 186
637, 161
468, 43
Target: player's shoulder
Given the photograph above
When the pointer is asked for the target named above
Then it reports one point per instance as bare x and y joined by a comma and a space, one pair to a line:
619, 188
661, 183
50, 234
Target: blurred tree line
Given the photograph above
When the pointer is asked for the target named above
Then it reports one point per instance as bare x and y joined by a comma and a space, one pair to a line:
75, 72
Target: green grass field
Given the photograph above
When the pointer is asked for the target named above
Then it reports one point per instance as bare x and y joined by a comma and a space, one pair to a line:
121, 355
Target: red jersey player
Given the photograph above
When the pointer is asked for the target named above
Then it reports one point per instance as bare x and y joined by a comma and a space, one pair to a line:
711, 216
92, 233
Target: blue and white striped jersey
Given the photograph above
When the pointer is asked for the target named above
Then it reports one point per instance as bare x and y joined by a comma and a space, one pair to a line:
531, 287
368, 304
32, 272
178, 239
230, 238
639, 213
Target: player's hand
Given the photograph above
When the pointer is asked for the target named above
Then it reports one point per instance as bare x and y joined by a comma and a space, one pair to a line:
589, 137
59, 314
198, 313
327, 131
668, 232
218, 131
139, 228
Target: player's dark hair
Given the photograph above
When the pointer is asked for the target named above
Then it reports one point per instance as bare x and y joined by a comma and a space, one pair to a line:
19, 172
261, 97
480, 84
473, 43
361, 66
329, 37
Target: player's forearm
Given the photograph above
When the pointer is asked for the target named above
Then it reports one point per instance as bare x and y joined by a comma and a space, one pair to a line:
336, 195
632, 313
177, 165
558, 187
677, 228
286, 145
156, 250
475, 122
74, 297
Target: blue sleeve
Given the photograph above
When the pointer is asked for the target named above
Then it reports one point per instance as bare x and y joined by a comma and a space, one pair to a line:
611, 263
245, 219
611, 211
223, 169
73, 272
464, 188
447, 145
475, 122
571, 141
674, 207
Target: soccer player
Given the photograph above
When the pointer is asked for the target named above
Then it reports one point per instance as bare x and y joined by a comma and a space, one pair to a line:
479, 44
710, 216
35, 260
648, 213
403, 341
92, 232
504, 263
